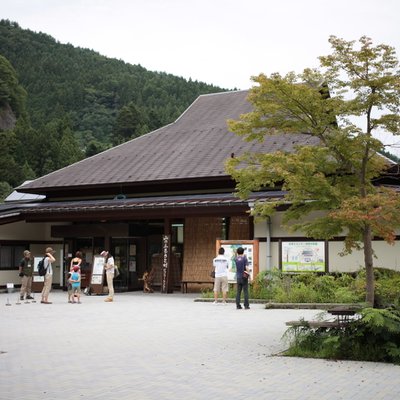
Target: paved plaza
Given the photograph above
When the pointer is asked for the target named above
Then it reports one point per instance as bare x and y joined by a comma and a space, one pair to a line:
156, 346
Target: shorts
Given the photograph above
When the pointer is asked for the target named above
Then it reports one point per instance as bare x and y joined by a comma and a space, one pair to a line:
76, 289
221, 284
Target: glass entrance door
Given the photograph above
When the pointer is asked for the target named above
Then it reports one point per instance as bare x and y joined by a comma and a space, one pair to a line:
129, 256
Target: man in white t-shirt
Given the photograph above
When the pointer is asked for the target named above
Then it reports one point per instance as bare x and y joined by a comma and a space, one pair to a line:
220, 264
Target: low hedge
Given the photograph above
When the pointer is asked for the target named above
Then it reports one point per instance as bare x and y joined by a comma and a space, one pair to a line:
311, 287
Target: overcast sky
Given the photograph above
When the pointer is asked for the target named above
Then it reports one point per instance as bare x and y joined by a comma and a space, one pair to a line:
221, 42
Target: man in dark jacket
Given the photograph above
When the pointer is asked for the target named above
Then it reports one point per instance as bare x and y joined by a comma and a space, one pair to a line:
26, 273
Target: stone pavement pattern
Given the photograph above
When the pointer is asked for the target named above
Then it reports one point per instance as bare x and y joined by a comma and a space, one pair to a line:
158, 346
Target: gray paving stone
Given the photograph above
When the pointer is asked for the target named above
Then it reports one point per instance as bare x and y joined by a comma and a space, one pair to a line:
154, 346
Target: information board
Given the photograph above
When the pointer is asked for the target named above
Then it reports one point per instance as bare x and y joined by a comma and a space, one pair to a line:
96, 280
250, 251
307, 256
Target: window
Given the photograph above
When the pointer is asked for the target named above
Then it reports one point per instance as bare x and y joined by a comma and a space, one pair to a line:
10, 256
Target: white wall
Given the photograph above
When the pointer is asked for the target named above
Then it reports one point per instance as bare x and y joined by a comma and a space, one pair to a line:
29, 231
24, 231
38, 232
274, 262
388, 256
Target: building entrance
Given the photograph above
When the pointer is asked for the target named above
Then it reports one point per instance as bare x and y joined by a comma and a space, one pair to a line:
130, 257
135, 246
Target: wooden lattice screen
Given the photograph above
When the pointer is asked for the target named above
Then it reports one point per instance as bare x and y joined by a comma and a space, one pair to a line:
239, 228
200, 237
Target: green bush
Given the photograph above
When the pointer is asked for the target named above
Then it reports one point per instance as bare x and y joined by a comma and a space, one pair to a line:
347, 295
375, 336
310, 287
387, 287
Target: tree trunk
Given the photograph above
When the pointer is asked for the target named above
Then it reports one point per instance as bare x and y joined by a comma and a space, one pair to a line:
369, 266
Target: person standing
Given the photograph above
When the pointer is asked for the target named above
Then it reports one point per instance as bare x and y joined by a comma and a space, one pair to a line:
242, 278
75, 262
220, 264
48, 278
26, 273
109, 266
76, 284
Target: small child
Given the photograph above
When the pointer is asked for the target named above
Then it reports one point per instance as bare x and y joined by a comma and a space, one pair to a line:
76, 284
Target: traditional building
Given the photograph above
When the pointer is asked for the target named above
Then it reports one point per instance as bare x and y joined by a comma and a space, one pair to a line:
169, 182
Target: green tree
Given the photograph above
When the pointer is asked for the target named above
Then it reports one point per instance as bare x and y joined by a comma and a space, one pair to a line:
94, 147
69, 151
335, 168
90, 88
5, 190
11, 93
51, 147
129, 124
10, 171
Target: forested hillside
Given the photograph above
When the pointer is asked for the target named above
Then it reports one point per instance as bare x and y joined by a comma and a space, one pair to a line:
71, 103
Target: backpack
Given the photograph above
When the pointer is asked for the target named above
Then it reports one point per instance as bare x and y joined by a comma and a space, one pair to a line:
41, 269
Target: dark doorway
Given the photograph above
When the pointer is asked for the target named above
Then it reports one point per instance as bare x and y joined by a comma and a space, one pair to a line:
130, 257
89, 247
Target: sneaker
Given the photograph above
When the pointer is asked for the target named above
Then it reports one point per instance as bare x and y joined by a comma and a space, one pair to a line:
215, 302
108, 300
239, 307
21, 297
224, 303
29, 297
247, 308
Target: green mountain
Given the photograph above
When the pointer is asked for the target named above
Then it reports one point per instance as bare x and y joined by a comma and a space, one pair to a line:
70, 103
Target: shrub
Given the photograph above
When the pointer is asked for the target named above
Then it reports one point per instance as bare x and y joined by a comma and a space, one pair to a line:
312, 287
387, 286
375, 336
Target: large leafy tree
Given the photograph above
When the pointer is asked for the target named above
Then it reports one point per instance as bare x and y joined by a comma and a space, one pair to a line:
336, 174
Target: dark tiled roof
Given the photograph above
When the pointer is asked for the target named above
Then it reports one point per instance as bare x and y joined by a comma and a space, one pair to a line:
200, 200
18, 211
195, 146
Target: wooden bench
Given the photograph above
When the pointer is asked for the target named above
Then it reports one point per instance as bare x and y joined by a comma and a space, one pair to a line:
184, 284
315, 324
344, 314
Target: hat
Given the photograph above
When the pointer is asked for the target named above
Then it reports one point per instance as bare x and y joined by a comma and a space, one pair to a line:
27, 253
76, 268
104, 253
